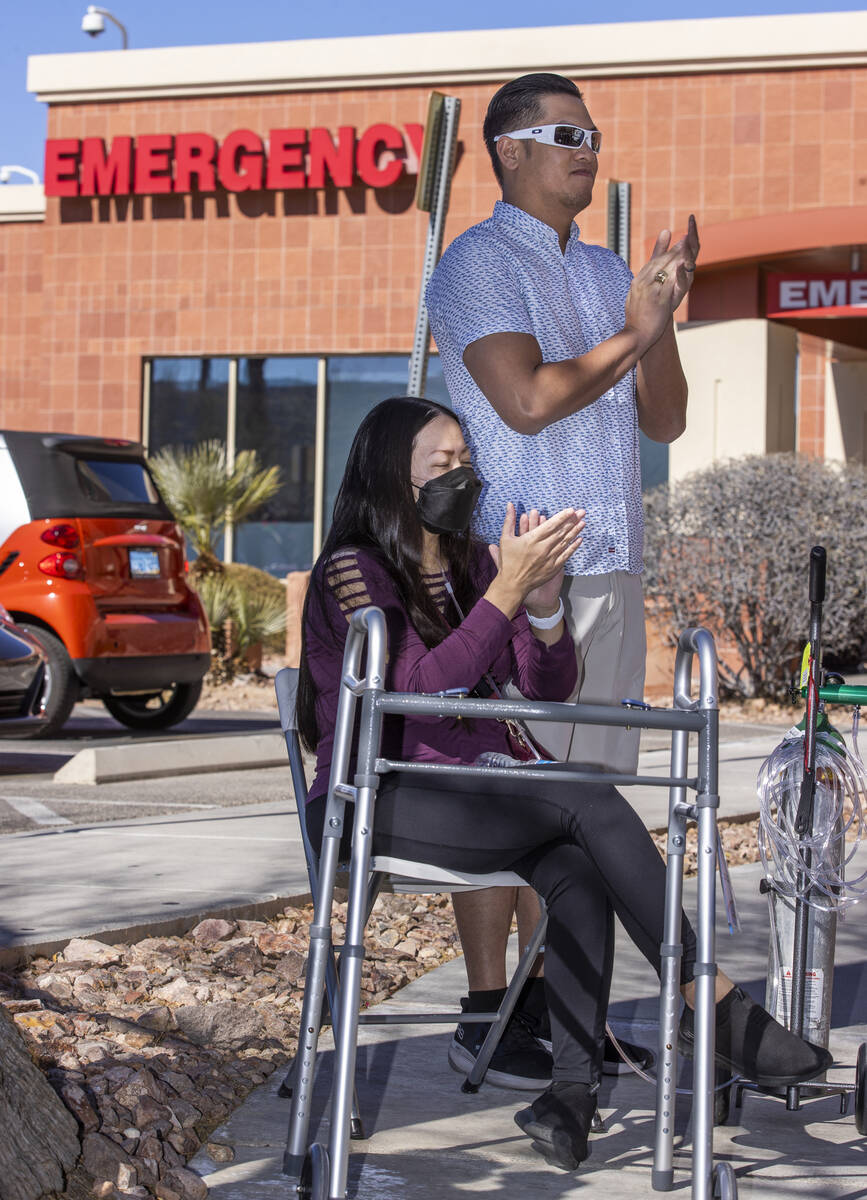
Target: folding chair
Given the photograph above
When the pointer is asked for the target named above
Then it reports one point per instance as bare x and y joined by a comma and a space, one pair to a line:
321, 1174
403, 876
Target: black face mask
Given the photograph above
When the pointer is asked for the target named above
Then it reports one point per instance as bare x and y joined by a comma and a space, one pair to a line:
445, 504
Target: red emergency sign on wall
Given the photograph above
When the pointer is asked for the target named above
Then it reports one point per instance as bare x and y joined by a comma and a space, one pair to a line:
830, 295
163, 163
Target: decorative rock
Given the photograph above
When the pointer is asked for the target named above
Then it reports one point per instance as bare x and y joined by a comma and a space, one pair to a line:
118, 1075
78, 1104
184, 1142
126, 1177
160, 1018
142, 1083
136, 1040
179, 1081
252, 928
102, 1157
92, 1052
212, 930
219, 1152
149, 1147
226, 1024
187, 1184
241, 958
164, 1192
171, 1157
291, 968
273, 943
89, 950
186, 1115
151, 1115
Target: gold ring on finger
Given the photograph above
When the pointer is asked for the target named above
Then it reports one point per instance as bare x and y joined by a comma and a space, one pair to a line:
661, 276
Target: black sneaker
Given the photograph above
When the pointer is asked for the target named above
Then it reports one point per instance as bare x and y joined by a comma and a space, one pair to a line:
612, 1060
750, 1043
518, 1062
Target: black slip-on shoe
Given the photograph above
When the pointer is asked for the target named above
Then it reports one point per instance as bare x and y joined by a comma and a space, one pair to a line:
558, 1123
750, 1043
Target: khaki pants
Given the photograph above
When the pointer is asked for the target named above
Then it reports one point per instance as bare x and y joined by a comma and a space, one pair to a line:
605, 615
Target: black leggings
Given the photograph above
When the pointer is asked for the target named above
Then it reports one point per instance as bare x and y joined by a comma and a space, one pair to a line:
581, 846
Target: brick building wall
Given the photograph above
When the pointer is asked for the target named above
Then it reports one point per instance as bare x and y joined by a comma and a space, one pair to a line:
103, 283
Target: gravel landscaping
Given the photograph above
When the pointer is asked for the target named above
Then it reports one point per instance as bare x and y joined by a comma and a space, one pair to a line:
152, 1045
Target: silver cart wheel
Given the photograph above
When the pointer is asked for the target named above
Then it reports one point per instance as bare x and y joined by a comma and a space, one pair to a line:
861, 1090
315, 1174
725, 1184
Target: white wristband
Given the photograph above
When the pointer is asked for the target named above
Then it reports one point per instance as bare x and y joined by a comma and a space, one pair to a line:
547, 622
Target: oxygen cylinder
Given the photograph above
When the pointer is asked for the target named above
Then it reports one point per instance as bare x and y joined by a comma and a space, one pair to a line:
821, 920
818, 982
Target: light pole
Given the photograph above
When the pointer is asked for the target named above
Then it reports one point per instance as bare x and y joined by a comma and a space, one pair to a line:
6, 171
92, 23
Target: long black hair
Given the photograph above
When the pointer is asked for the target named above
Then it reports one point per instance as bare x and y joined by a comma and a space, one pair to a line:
375, 511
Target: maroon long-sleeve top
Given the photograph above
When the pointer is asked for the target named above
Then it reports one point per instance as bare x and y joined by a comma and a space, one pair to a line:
485, 641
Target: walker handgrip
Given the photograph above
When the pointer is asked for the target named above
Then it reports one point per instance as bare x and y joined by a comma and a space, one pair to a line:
817, 575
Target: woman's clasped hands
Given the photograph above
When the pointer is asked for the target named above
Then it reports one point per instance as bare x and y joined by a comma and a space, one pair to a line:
530, 561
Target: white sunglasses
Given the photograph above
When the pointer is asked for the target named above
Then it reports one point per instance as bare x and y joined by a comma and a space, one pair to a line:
570, 136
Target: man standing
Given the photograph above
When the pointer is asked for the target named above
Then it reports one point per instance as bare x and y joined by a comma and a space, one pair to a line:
554, 358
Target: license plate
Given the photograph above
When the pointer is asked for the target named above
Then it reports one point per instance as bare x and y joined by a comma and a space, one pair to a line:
144, 564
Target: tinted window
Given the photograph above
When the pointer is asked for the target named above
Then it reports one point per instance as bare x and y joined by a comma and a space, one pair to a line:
277, 418
188, 401
102, 480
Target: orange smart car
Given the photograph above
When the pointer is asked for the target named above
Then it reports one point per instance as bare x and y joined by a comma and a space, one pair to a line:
92, 564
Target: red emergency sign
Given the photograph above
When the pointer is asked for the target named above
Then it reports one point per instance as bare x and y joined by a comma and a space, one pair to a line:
829, 295
164, 163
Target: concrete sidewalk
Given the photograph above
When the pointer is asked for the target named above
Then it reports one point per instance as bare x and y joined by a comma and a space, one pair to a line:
432, 1142
67, 880
73, 879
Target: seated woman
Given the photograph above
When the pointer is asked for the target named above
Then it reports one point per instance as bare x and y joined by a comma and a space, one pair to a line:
458, 613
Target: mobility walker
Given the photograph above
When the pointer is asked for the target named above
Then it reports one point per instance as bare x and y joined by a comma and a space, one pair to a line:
318, 1172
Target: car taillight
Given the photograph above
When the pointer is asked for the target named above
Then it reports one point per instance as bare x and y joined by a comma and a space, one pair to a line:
62, 566
64, 536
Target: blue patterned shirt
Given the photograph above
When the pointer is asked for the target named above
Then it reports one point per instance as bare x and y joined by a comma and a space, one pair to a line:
508, 275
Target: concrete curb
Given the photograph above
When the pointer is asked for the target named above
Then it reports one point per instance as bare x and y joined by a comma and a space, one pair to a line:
190, 756
256, 910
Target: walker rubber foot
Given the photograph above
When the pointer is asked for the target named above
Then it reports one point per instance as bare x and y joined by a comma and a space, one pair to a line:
469, 1088
356, 1129
662, 1181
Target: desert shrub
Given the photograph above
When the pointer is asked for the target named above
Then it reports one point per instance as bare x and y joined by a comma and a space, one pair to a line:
728, 547
245, 607
259, 612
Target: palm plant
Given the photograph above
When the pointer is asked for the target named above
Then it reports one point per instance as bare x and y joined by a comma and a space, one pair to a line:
204, 494
255, 618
